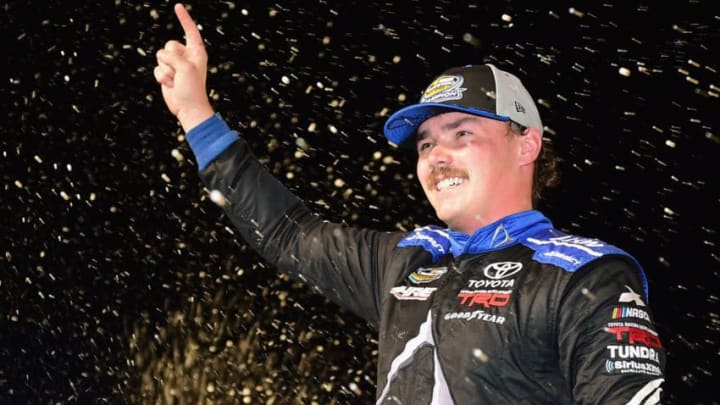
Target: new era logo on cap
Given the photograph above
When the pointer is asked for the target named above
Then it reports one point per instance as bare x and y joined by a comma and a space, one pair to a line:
482, 90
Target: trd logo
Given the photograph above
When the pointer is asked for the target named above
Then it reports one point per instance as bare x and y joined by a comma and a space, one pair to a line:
636, 335
487, 299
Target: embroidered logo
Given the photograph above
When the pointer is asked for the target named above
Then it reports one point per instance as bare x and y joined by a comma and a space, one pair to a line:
425, 275
444, 88
638, 367
488, 299
480, 315
501, 270
631, 296
412, 293
630, 312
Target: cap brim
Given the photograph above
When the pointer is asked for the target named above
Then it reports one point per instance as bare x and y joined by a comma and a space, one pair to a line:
405, 122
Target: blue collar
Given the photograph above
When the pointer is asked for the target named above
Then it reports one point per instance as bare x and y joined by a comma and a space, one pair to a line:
529, 228
499, 234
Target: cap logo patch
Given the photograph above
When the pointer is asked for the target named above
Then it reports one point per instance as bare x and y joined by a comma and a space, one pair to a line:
519, 107
444, 88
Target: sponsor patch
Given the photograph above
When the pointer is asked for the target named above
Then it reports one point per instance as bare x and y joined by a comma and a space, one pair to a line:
571, 252
562, 256
433, 239
486, 298
635, 335
412, 293
491, 283
426, 275
631, 366
501, 270
475, 315
633, 352
631, 296
630, 312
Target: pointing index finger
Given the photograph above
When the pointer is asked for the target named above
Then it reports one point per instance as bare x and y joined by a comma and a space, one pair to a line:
192, 34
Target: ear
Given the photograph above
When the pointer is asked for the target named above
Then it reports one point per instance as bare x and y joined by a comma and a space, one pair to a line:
530, 144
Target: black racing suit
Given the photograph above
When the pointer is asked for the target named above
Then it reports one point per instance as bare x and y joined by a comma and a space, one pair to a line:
517, 313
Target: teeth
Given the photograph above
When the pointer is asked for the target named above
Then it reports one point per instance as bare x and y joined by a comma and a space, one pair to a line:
449, 182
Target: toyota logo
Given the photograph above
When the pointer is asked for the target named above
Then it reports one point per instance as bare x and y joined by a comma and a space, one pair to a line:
500, 270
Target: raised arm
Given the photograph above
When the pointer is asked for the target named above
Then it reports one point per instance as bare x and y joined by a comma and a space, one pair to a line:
347, 265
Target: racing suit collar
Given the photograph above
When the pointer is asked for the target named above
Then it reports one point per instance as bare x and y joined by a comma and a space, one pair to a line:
501, 233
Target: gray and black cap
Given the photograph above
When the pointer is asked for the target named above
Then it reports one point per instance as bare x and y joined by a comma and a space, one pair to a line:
482, 90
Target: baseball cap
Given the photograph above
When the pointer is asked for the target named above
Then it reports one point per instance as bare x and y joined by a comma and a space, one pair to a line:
482, 90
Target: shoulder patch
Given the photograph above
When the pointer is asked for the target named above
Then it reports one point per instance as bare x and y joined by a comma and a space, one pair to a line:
433, 239
567, 251
571, 252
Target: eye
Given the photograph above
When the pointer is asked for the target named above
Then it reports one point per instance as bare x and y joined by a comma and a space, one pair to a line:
423, 146
462, 133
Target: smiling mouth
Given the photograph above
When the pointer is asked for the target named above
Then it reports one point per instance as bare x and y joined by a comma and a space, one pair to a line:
448, 183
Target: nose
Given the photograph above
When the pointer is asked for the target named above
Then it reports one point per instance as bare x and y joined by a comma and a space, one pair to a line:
439, 155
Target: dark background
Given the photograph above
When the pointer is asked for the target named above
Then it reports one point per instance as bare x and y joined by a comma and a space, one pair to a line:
120, 282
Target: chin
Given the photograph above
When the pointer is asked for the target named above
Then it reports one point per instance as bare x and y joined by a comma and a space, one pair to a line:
448, 218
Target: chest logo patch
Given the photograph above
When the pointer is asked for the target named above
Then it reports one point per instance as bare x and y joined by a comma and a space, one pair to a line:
404, 293
425, 275
501, 270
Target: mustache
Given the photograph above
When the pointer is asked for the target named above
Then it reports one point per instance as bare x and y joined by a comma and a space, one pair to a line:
444, 172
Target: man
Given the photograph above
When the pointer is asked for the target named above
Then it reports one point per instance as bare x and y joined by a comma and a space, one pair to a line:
499, 307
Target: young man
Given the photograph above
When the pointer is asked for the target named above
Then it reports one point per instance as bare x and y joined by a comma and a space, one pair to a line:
499, 307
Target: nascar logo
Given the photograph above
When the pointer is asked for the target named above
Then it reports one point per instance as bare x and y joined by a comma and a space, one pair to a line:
627, 312
426, 275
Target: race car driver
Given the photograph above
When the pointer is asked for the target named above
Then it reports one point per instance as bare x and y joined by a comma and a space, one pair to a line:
496, 307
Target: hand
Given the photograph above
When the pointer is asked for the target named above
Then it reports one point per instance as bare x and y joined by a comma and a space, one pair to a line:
182, 71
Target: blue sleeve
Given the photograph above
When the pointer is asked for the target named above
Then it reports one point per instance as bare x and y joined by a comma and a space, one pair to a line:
209, 139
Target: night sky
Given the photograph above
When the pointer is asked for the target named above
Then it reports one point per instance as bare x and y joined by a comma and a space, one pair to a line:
121, 282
